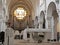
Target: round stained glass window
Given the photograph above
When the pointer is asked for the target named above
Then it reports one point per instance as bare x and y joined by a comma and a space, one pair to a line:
20, 13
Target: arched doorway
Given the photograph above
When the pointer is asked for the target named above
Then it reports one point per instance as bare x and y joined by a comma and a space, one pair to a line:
52, 17
42, 20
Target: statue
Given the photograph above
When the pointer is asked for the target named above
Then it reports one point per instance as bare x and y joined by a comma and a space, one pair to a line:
36, 22
9, 34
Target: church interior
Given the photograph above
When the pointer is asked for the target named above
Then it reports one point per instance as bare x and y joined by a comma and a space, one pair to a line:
29, 22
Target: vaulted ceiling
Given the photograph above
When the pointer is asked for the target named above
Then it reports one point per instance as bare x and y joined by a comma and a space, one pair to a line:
31, 2
29, 5
20, 24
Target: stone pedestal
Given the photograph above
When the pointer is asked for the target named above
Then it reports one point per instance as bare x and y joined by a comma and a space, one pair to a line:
31, 39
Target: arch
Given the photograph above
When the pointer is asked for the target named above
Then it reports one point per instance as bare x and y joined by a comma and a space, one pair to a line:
27, 5
42, 20
51, 7
52, 17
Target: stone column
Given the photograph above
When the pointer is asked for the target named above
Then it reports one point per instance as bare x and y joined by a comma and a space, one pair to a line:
49, 26
46, 18
52, 23
3, 15
39, 21
25, 35
59, 26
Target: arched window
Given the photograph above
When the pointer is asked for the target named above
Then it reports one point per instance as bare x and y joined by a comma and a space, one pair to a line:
20, 13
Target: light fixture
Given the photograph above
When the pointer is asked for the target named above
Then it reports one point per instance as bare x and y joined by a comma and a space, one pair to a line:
20, 13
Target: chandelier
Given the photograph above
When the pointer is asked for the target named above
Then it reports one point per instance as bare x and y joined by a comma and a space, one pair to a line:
20, 13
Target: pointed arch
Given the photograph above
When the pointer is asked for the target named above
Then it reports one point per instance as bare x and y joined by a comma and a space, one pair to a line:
42, 19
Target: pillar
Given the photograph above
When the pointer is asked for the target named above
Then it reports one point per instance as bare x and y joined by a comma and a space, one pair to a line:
25, 35
59, 26
52, 23
49, 26
46, 18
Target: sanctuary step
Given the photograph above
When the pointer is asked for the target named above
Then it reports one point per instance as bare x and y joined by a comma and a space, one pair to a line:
26, 43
